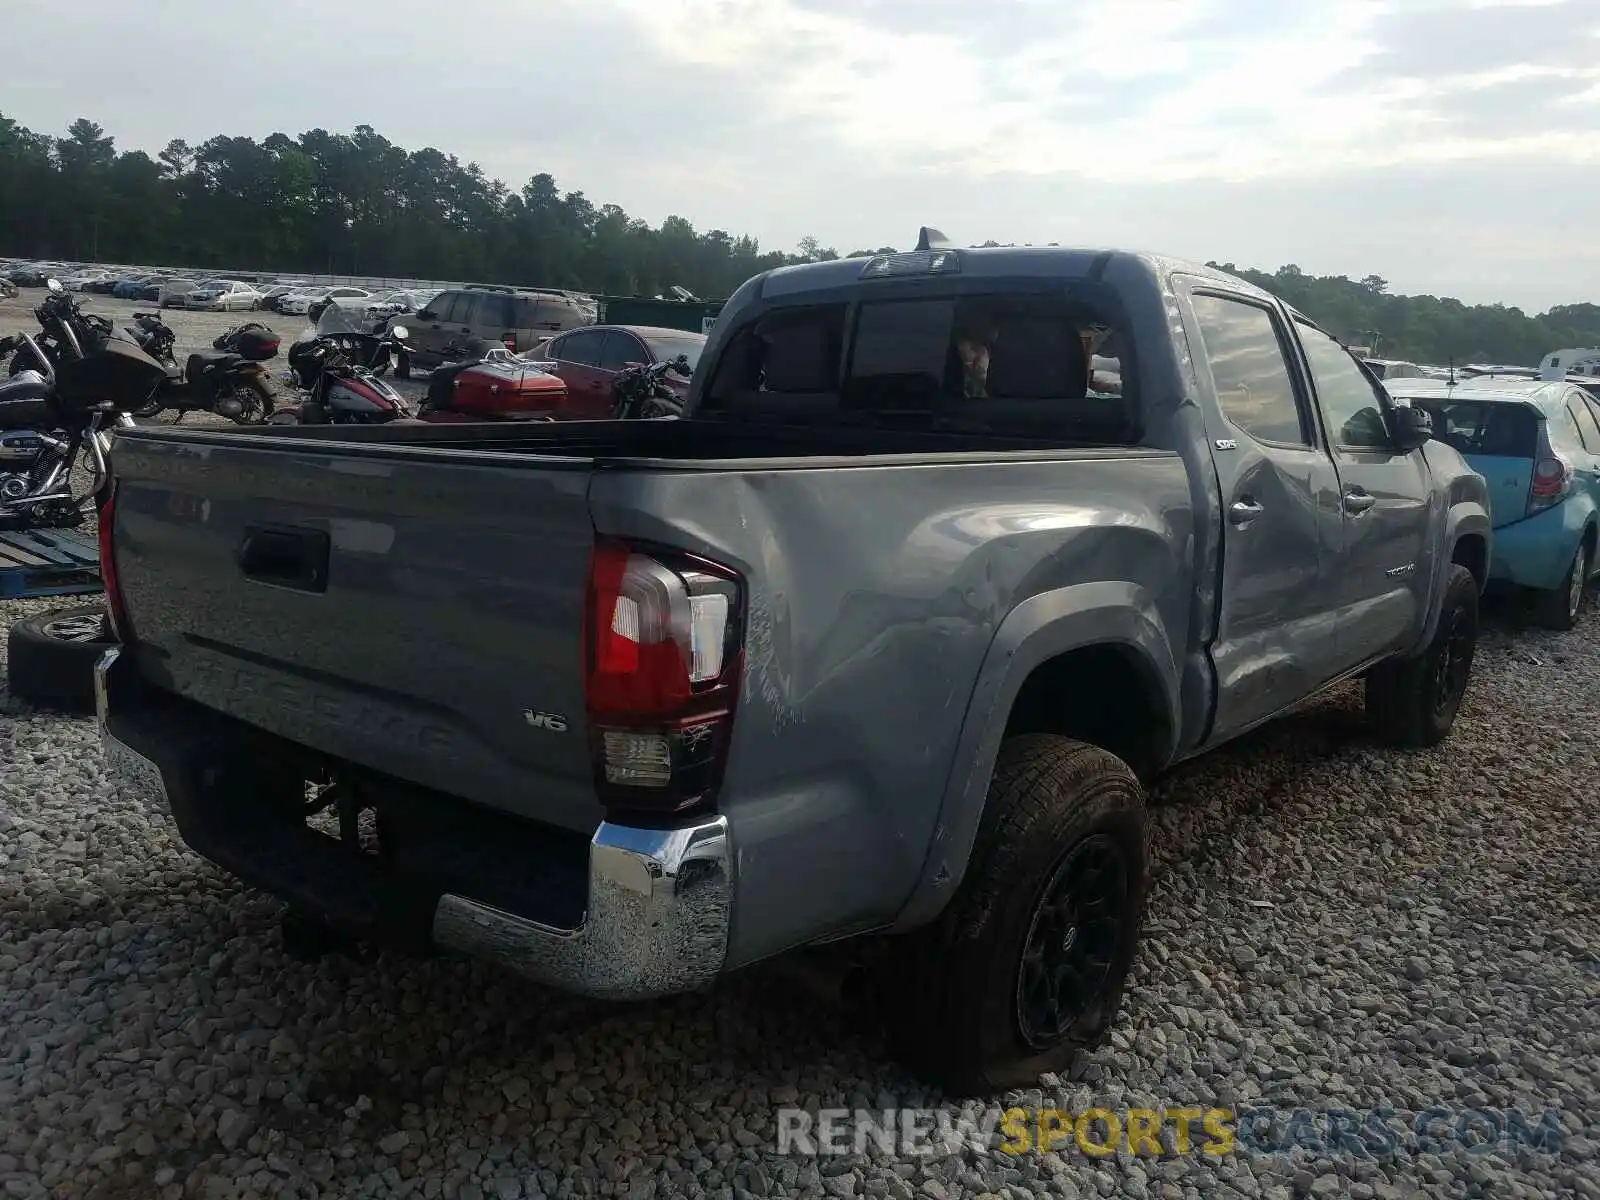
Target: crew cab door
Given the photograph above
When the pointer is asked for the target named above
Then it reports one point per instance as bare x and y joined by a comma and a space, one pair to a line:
1276, 637
1385, 561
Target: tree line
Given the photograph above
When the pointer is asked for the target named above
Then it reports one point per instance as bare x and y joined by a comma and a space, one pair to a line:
357, 204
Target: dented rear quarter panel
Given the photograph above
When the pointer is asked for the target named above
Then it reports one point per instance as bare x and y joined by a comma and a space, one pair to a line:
876, 592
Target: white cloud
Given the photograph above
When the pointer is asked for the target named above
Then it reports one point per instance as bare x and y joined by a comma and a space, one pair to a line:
1168, 90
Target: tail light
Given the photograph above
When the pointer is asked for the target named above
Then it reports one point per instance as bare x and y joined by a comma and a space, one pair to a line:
116, 612
664, 640
1552, 477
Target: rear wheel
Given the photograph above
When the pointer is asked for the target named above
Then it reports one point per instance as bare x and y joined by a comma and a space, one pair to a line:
259, 400
1559, 607
1027, 963
52, 656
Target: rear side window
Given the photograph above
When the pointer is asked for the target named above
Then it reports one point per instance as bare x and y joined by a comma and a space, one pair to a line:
491, 312
992, 362
1484, 427
523, 312
1587, 429
1252, 378
551, 312
1563, 430
583, 348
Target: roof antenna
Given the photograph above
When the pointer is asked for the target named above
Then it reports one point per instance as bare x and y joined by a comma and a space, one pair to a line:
1452, 370
931, 239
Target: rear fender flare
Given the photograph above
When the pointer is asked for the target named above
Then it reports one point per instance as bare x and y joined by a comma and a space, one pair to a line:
1041, 628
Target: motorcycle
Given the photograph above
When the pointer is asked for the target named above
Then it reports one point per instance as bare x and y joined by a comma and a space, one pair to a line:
339, 366
79, 393
231, 383
64, 330
640, 392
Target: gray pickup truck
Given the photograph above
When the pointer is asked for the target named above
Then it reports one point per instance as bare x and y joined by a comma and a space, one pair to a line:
952, 551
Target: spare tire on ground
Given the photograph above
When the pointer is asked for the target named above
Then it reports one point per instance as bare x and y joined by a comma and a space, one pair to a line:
51, 656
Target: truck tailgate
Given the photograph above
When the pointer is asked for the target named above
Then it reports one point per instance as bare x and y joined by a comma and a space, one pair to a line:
410, 610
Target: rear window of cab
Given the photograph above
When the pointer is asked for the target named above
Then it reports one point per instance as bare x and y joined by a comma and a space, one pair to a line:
999, 362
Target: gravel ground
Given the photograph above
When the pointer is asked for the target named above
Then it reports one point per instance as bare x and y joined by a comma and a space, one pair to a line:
1334, 925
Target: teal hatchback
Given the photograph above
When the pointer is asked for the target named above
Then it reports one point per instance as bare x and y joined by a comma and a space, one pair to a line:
1537, 444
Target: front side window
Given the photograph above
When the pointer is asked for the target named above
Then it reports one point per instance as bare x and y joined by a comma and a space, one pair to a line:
1349, 400
445, 306
1254, 387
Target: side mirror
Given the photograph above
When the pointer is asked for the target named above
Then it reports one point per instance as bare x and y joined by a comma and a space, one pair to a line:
1413, 427
55, 286
399, 331
425, 315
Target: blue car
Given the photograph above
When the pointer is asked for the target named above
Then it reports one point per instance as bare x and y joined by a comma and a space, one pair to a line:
1537, 444
131, 287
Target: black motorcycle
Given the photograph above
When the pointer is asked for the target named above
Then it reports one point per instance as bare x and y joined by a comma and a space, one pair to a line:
231, 383
641, 393
64, 331
82, 391
155, 337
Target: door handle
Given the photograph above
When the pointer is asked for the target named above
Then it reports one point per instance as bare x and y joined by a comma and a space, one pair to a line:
1356, 503
285, 556
1242, 512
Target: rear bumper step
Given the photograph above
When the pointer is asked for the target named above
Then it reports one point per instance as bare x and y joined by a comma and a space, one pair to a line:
655, 922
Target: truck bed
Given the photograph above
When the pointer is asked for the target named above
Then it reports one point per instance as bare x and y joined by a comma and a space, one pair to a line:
448, 620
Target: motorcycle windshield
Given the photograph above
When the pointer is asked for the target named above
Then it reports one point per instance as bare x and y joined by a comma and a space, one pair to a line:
336, 321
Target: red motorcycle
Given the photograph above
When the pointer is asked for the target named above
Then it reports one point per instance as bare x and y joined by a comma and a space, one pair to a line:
341, 370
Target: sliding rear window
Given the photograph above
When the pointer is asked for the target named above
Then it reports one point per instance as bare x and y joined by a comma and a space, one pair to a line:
1026, 363
1497, 429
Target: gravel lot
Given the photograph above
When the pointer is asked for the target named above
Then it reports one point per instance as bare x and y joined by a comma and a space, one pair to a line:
1334, 925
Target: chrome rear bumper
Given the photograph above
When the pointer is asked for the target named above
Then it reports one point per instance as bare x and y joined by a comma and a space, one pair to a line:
659, 905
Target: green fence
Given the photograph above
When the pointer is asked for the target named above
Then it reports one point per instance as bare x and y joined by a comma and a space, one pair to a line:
669, 314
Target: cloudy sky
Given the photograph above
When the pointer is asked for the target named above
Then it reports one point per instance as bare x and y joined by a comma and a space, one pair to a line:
1452, 146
